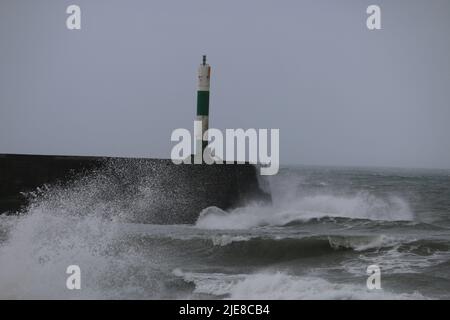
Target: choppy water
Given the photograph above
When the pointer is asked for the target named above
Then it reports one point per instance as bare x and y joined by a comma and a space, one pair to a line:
325, 227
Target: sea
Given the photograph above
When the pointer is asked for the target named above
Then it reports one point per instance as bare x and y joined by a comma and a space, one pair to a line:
317, 239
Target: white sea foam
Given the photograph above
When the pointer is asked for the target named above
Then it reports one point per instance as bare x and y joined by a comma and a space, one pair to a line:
278, 285
395, 261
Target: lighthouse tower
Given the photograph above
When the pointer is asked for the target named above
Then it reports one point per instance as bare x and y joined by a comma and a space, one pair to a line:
201, 123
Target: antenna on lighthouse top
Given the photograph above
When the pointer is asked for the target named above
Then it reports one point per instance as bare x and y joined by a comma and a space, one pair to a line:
204, 59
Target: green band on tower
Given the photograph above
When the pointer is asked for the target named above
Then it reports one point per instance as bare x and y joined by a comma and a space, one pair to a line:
202, 103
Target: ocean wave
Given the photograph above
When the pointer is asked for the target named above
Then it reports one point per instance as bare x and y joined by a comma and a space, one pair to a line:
362, 243
355, 252
279, 285
360, 206
402, 257
252, 250
306, 244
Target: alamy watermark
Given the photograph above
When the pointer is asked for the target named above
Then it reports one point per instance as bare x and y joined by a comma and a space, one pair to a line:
373, 21
73, 21
240, 146
374, 279
73, 281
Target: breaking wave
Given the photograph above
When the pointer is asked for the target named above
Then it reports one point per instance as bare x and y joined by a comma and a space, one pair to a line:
360, 206
279, 285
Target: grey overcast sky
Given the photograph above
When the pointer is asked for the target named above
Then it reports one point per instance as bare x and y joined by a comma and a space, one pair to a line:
339, 93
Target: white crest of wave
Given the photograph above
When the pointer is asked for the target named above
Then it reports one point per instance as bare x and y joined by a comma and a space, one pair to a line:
224, 239
282, 286
362, 205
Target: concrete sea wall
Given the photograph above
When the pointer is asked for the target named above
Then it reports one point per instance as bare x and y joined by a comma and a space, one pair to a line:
166, 193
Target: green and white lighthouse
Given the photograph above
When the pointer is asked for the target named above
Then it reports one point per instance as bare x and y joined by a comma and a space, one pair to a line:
201, 123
